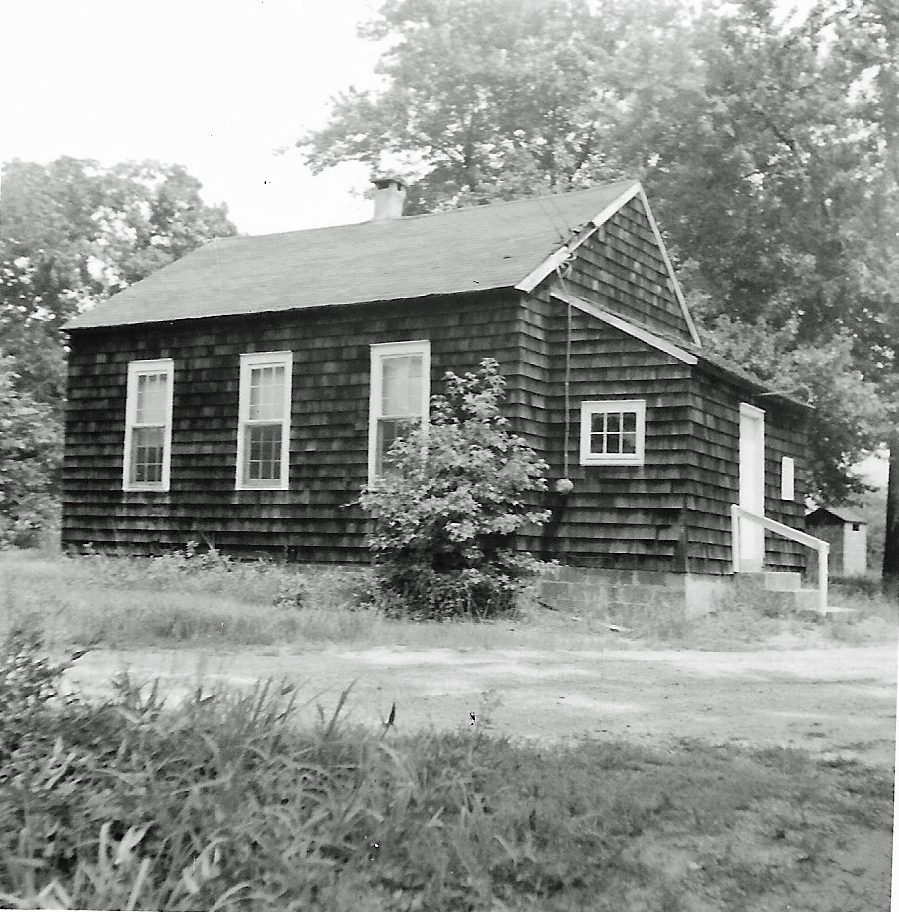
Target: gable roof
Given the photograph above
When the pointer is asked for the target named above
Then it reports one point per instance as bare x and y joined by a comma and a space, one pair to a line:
841, 514
501, 245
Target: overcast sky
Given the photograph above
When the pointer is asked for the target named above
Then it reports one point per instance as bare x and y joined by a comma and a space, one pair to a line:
215, 85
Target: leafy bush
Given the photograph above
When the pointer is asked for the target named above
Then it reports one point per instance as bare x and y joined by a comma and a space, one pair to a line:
29, 682
30, 455
448, 506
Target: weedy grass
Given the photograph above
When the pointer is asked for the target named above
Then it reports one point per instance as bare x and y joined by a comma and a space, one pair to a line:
191, 599
223, 802
206, 599
733, 625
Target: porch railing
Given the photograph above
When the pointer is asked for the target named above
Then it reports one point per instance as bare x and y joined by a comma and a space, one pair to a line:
738, 514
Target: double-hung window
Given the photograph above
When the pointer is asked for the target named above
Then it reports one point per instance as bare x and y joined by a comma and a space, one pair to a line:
613, 432
148, 425
400, 396
263, 435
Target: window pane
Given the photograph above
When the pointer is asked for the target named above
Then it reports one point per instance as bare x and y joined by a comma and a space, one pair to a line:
613, 433
151, 398
146, 455
263, 452
401, 385
267, 393
389, 429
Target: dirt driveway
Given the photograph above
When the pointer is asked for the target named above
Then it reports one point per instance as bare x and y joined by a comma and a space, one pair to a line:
834, 701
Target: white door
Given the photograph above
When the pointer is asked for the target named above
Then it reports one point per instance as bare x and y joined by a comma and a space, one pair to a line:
752, 485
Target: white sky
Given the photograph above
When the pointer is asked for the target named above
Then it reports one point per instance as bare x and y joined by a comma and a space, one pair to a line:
215, 85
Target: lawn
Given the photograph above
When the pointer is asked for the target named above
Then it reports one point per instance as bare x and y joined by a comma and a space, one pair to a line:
252, 798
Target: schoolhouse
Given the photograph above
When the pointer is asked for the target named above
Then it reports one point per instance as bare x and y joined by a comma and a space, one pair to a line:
244, 394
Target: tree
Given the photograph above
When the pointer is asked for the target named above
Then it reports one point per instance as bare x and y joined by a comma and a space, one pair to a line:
765, 146
496, 99
849, 416
72, 233
447, 510
30, 451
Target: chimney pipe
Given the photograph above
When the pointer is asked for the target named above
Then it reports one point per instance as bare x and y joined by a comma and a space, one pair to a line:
390, 194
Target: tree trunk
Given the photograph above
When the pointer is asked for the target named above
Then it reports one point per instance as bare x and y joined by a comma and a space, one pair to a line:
891, 538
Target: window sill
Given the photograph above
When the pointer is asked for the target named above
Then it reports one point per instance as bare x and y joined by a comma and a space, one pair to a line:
276, 487
612, 461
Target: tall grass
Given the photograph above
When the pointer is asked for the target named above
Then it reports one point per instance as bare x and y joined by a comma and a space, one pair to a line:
223, 803
208, 600
212, 601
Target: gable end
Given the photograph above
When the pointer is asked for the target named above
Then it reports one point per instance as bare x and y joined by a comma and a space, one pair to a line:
638, 332
619, 262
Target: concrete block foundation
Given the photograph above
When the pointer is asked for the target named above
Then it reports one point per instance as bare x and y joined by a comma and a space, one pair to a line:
635, 596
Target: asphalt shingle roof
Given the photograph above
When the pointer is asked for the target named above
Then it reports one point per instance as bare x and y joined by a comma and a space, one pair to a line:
483, 247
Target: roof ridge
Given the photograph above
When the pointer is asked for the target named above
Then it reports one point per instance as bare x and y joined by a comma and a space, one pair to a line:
521, 200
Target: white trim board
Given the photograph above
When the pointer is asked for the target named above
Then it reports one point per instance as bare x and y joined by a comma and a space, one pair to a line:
554, 260
644, 335
166, 367
671, 276
378, 351
249, 361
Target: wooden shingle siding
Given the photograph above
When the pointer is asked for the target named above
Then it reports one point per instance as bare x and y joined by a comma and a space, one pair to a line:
620, 517
673, 512
622, 269
715, 486
315, 519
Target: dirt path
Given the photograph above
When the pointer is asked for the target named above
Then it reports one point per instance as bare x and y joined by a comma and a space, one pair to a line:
838, 701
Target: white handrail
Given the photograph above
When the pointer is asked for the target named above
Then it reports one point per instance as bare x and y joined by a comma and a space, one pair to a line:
822, 547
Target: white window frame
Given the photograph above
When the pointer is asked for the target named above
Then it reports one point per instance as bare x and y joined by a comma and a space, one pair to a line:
135, 370
248, 362
787, 478
379, 351
605, 406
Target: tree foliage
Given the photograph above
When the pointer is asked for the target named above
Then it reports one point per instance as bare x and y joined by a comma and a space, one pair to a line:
849, 416
446, 512
72, 233
487, 100
768, 148
30, 451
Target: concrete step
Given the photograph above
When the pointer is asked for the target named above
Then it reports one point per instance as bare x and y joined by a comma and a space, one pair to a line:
769, 580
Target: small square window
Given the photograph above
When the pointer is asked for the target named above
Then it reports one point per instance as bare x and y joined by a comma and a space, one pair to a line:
613, 432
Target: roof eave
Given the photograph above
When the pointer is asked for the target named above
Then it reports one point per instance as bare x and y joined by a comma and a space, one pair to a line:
761, 389
626, 326
558, 257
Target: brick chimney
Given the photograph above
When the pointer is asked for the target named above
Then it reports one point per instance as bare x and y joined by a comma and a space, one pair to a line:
390, 194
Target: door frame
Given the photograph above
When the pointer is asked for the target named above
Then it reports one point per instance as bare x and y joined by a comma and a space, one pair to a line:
752, 485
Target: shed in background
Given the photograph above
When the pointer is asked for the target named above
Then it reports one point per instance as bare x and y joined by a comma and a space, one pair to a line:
846, 531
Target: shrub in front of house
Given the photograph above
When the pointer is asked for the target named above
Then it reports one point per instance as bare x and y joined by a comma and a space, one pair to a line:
449, 503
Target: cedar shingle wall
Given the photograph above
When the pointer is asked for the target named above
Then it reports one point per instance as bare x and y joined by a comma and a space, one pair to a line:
621, 268
714, 474
672, 513
625, 517
329, 423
